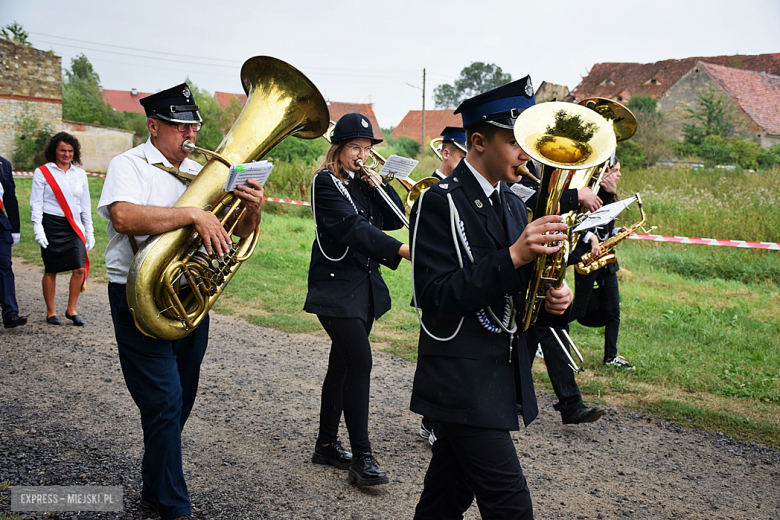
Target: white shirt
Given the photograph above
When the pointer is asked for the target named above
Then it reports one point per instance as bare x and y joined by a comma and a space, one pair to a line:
483, 182
43, 200
132, 179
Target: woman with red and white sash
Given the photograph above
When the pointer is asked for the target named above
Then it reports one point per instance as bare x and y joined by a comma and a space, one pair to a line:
62, 222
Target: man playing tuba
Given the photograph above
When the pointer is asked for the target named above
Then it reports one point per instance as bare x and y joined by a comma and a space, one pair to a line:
141, 187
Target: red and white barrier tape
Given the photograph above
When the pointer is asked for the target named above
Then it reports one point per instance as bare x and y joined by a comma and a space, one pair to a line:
285, 201
269, 199
30, 174
708, 241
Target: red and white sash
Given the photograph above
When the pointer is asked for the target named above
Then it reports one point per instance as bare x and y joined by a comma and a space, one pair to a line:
63, 201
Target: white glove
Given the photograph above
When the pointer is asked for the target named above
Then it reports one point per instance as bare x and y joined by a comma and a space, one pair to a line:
41, 239
90, 241
16, 238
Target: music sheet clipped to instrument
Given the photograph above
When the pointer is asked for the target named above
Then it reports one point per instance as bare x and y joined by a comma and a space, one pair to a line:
398, 167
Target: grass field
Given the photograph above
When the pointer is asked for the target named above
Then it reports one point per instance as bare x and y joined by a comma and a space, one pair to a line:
700, 323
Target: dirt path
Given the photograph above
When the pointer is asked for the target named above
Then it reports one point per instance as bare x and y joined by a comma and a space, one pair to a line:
66, 418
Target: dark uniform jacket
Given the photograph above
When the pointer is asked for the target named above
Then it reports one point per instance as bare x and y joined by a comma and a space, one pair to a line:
469, 379
9, 217
342, 289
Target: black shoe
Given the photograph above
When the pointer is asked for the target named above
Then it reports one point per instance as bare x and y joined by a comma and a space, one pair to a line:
333, 454
76, 319
584, 415
365, 471
149, 503
53, 320
14, 320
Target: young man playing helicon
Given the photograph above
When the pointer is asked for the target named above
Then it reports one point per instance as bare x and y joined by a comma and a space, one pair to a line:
471, 252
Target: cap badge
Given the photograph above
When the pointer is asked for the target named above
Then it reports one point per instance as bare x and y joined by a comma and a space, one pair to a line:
186, 92
529, 89
478, 203
364, 123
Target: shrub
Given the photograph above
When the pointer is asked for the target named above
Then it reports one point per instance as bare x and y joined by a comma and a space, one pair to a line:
30, 139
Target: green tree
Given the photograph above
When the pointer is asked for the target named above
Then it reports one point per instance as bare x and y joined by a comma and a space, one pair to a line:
81, 97
474, 79
650, 139
211, 133
30, 139
16, 33
293, 149
710, 118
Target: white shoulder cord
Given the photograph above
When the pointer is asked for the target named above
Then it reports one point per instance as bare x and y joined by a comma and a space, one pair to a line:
414, 291
344, 192
507, 324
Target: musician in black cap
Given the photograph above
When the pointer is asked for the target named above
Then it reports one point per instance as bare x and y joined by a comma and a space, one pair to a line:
453, 149
346, 289
141, 187
472, 247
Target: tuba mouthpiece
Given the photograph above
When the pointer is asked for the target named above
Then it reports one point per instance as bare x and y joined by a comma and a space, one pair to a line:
188, 146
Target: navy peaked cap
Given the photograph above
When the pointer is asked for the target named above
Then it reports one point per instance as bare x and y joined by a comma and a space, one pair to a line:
499, 106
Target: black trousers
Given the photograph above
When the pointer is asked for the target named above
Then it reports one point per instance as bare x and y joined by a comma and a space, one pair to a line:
561, 375
473, 462
347, 382
599, 308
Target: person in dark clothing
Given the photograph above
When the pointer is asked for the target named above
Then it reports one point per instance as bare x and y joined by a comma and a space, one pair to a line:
9, 237
347, 292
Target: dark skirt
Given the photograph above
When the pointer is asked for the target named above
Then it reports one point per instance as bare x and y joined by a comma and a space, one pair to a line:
66, 251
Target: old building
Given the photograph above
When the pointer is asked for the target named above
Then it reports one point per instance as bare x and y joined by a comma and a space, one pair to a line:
751, 100
551, 92
435, 122
30, 86
620, 81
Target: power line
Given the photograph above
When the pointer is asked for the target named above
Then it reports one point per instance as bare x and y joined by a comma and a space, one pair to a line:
330, 70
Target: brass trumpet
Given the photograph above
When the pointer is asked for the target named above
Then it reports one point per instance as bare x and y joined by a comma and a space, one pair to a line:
281, 102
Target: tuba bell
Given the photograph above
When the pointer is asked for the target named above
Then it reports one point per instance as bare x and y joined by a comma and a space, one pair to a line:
281, 101
567, 140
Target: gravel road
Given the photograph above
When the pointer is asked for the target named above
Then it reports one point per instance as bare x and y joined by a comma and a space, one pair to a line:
66, 418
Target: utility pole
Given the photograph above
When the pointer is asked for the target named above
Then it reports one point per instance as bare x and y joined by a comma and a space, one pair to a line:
422, 138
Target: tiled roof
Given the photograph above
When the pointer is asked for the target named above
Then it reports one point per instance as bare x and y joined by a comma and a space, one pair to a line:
125, 100
338, 109
335, 108
435, 122
611, 80
224, 98
756, 93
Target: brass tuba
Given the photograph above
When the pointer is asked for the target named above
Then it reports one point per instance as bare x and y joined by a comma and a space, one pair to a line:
567, 140
281, 102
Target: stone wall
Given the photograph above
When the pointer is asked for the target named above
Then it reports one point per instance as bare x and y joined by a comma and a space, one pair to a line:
99, 144
685, 94
30, 83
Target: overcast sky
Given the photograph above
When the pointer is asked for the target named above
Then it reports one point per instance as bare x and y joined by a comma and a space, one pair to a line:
364, 52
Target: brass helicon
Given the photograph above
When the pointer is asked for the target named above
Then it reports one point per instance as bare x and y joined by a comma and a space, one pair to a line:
281, 102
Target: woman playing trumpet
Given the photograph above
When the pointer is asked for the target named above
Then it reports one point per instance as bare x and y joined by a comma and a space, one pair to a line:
347, 292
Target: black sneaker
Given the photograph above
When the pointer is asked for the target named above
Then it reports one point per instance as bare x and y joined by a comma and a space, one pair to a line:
619, 361
365, 471
584, 415
333, 454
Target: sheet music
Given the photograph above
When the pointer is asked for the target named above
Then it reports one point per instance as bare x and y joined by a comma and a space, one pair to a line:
398, 167
240, 173
522, 191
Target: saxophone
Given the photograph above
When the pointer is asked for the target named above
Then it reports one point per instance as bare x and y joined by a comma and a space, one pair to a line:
590, 263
